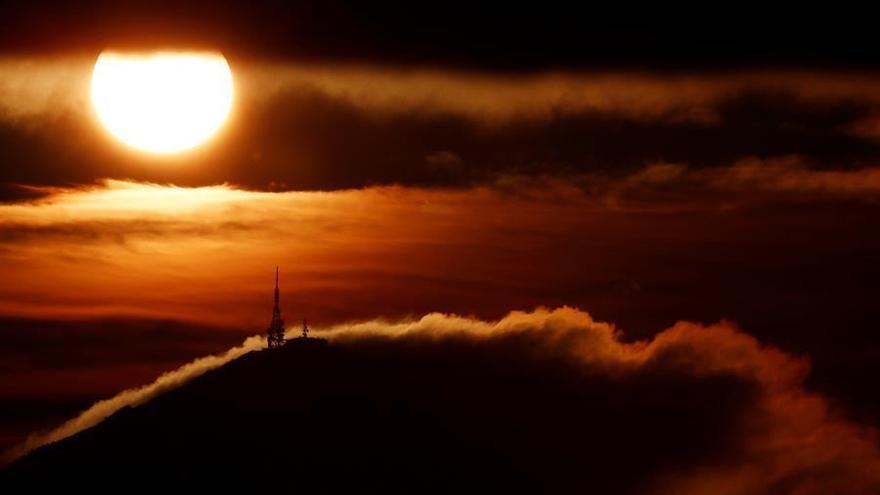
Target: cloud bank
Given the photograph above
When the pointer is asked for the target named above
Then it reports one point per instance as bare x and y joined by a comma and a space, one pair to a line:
779, 438
48, 86
331, 127
150, 248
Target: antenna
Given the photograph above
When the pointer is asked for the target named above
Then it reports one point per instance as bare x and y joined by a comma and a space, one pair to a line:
275, 332
305, 328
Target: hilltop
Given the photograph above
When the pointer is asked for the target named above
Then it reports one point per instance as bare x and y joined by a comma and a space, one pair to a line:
399, 416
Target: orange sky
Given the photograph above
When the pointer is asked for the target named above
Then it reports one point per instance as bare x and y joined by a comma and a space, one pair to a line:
208, 254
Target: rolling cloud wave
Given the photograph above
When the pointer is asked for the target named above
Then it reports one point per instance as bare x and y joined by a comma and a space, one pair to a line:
789, 439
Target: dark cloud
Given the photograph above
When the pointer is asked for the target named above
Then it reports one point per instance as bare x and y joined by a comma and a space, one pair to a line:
312, 140
332, 131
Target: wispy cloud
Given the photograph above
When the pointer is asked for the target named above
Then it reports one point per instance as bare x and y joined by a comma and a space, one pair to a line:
41, 86
163, 242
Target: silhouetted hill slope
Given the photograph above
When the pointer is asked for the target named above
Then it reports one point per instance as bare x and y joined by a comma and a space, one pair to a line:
397, 415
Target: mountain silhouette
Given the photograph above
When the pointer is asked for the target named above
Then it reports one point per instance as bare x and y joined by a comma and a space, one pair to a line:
399, 415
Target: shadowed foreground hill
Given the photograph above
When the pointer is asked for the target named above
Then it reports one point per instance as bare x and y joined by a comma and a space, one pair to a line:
386, 415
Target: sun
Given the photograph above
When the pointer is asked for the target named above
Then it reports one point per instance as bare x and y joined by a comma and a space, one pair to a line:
164, 101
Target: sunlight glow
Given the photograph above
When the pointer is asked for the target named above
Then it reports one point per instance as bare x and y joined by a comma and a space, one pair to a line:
162, 102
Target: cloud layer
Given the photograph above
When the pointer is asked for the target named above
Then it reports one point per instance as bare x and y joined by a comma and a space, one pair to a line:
301, 126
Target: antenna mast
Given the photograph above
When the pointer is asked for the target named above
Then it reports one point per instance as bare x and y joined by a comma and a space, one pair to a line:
275, 332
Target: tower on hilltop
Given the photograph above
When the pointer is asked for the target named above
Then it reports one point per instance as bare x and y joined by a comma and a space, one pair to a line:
275, 333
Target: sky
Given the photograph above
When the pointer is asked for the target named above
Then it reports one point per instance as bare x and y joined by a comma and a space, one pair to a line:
452, 159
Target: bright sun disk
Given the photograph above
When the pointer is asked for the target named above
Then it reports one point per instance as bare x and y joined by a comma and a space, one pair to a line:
162, 102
